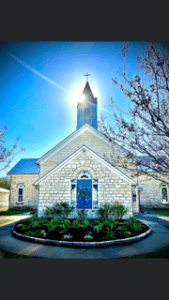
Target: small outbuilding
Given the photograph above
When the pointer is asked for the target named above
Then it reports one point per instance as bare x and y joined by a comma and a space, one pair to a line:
4, 198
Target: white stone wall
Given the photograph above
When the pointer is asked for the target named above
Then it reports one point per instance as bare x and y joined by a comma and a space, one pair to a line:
109, 153
151, 195
30, 193
111, 187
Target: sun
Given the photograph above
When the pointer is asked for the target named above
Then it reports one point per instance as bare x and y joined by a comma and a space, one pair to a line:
76, 95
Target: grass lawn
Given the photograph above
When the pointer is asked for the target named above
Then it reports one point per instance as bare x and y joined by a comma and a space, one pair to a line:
4, 221
163, 212
12, 212
4, 209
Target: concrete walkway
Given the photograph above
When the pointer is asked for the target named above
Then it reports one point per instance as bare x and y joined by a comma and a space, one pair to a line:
158, 239
13, 219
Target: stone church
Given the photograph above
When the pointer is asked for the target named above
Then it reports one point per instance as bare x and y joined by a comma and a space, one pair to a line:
78, 171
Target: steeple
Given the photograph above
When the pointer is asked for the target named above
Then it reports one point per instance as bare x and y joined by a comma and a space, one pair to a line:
87, 90
87, 109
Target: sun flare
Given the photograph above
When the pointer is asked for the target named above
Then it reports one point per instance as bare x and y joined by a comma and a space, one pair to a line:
76, 95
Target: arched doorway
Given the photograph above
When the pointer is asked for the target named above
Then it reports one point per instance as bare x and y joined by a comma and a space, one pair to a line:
84, 190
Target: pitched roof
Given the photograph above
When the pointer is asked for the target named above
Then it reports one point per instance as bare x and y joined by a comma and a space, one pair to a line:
96, 156
73, 136
25, 166
69, 139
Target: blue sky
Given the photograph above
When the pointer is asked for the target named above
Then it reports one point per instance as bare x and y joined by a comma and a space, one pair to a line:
40, 83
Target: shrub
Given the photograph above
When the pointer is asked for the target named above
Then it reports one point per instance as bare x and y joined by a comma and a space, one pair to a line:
43, 220
99, 227
103, 212
114, 223
127, 234
134, 225
35, 225
48, 211
54, 221
106, 223
36, 233
54, 231
30, 233
82, 215
61, 209
67, 223
25, 227
109, 235
118, 210
96, 222
25, 221
133, 219
85, 224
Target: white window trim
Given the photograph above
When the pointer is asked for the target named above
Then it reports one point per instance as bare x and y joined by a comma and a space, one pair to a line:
19, 186
164, 201
70, 186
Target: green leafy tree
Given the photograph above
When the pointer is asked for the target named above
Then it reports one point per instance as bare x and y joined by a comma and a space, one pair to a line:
4, 183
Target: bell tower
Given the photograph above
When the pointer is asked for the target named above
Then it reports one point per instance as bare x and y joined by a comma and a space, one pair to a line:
87, 108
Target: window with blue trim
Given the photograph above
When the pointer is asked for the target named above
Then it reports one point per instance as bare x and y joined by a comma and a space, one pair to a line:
84, 175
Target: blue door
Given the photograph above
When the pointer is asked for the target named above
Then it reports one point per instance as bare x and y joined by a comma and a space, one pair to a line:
84, 193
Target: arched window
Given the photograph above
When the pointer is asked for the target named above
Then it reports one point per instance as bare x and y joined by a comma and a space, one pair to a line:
20, 193
164, 190
84, 191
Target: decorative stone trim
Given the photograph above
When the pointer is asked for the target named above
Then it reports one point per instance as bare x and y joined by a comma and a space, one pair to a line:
84, 168
81, 244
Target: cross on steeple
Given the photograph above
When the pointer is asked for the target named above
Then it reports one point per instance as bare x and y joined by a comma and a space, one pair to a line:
87, 75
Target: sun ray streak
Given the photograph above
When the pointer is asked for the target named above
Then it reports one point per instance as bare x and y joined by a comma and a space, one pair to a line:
44, 77
34, 71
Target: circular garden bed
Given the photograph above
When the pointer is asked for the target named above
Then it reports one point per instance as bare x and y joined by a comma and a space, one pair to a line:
81, 232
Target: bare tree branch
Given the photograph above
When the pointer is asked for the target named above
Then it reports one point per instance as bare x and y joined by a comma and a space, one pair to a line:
145, 132
7, 155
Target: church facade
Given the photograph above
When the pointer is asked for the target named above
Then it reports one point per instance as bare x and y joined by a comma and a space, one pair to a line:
78, 171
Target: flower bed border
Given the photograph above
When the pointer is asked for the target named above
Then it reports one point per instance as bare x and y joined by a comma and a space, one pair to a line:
81, 244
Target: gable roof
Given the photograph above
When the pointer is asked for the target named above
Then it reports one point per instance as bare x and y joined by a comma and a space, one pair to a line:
72, 137
25, 166
76, 153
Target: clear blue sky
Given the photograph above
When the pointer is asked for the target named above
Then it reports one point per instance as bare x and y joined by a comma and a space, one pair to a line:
40, 83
